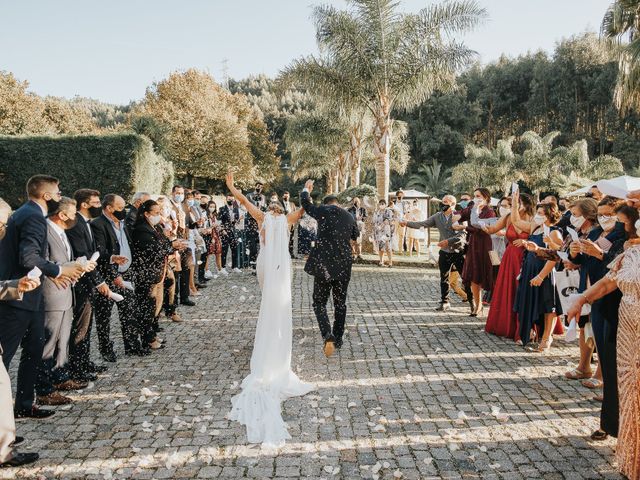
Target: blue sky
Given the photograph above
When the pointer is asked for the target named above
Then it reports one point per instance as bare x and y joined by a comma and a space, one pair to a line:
112, 50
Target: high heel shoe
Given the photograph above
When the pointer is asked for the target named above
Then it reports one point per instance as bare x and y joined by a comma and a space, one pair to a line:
545, 345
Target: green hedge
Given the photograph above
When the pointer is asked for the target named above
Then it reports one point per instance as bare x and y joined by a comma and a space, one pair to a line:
119, 163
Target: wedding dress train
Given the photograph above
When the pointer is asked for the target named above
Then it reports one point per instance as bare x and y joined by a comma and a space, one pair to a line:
271, 380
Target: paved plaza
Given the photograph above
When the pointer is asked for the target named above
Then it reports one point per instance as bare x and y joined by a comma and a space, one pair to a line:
413, 394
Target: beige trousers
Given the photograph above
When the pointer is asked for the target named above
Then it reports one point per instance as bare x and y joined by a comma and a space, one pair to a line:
7, 422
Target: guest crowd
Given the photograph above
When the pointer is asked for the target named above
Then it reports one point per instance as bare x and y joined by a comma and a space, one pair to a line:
539, 264
66, 262
541, 267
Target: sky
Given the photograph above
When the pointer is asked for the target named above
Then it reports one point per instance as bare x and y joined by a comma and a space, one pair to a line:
113, 50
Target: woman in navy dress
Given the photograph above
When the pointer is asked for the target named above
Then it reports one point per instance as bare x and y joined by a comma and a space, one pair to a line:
536, 300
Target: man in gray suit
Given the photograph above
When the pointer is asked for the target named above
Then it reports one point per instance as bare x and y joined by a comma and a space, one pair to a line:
11, 290
58, 306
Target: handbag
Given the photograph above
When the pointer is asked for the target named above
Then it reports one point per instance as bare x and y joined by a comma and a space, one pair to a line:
494, 257
567, 284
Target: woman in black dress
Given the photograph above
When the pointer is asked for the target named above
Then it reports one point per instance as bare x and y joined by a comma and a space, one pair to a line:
150, 249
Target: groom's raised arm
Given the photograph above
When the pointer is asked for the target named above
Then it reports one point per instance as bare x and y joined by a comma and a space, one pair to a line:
307, 204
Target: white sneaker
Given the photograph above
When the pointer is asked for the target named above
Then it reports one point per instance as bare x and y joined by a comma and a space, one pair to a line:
208, 274
224, 272
237, 270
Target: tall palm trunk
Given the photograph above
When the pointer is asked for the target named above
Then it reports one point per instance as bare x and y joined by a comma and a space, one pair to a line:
382, 147
343, 171
355, 154
330, 181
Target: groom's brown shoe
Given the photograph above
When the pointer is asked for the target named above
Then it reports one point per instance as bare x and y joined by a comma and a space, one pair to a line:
329, 347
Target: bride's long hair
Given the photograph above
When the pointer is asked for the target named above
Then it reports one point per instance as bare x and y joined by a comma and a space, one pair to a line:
276, 207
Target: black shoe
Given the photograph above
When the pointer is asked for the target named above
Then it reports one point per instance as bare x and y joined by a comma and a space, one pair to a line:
338, 343
200, 286
35, 412
85, 377
109, 357
20, 459
443, 307
188, 303
17, 442
93, 368
160, 329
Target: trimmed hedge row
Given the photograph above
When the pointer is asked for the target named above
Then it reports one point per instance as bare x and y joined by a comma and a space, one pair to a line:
119, 163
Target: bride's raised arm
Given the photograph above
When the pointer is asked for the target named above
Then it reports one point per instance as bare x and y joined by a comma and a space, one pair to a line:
254, 211
293, 217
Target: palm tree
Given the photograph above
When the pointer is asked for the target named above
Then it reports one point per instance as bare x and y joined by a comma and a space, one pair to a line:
318, 144
380, 59
431, 178
493, 169
546, 167
621, 24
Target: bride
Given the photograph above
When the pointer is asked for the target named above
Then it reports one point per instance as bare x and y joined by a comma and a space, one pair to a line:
271, 379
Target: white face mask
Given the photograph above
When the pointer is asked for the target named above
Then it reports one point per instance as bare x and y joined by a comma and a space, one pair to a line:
478, 201
504, 211
539, 219
607, 222
155, 219
637, 225
178, 198
577, 222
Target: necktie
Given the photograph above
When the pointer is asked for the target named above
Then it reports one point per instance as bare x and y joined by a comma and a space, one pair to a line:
66, 245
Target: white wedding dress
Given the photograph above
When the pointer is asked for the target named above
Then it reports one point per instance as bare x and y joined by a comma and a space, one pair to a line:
271, 379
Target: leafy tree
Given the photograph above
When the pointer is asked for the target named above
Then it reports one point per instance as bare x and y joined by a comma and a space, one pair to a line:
432, 178
66, 118
207, 126
382, 59
20, 111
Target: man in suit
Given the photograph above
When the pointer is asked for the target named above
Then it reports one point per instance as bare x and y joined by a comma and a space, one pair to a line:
11, 290
330, 264
229, 216
58, 307
113, 242
22, 322
251, 226
289, 207
79, 365
179, 216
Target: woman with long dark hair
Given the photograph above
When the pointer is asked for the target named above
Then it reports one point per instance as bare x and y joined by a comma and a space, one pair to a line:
502, 319
478, 270
536, 302
150, 249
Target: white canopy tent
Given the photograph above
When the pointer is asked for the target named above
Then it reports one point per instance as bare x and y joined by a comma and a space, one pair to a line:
579, 192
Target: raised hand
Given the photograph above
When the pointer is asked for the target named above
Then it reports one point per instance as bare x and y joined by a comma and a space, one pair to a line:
229, 179
309, 185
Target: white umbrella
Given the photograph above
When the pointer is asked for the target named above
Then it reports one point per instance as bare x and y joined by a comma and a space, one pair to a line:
619, 187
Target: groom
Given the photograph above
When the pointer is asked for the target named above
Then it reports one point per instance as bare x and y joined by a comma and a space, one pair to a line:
330, 263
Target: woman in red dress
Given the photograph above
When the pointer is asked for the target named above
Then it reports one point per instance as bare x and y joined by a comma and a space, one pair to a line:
502, 319
478, 270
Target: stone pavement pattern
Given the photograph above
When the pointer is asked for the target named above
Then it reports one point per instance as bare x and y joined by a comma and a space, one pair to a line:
414, 394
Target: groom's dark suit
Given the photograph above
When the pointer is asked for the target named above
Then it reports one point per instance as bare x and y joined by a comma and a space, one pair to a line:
330, 264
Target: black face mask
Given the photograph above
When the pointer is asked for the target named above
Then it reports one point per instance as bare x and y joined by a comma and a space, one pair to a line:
52, 206
229, 202
120, 214
444, 207
258, 190
589, 195
203, 206
562, 208
70, 223
94, 212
